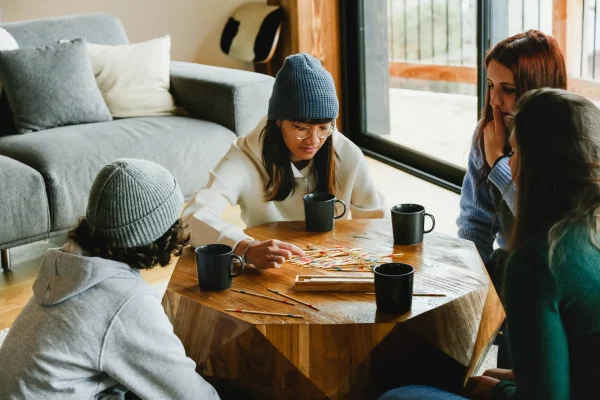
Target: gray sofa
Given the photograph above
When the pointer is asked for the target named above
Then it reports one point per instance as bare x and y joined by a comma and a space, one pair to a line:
45, 176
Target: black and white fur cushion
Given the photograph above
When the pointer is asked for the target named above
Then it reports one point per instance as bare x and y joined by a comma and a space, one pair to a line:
251, 33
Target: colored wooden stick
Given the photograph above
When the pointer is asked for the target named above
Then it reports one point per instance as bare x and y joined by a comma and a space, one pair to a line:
348, 269
293, 298
340, 256
264, 313
264, 297
422, 294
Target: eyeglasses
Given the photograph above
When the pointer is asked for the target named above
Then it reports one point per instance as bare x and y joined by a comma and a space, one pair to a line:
304, 132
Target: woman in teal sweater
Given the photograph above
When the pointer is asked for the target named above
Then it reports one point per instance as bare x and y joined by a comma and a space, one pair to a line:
552, 281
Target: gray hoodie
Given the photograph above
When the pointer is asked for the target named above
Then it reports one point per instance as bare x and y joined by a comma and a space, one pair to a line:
92, 324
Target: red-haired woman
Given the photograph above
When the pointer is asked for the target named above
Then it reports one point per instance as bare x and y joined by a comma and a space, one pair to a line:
529, 60
522, 62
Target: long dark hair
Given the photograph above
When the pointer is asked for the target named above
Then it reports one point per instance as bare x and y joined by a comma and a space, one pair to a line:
557, 136
536, 62
276, 160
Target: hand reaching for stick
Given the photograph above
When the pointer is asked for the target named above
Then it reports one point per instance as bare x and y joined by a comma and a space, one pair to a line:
268, 254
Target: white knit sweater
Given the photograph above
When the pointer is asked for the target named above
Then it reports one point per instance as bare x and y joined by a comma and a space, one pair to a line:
240, 178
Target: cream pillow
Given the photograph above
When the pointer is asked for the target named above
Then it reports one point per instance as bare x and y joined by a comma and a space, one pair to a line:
7, 42
134, 78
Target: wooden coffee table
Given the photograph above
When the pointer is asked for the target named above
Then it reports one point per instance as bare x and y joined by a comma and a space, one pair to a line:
347, 349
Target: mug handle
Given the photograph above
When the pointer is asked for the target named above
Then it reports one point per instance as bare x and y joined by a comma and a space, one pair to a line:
343, 212
241, 265
432, 223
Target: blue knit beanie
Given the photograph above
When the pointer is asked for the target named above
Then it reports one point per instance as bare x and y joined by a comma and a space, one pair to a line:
303, 89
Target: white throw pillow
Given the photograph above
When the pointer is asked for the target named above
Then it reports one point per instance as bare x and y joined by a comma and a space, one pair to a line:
134, 78
7, 42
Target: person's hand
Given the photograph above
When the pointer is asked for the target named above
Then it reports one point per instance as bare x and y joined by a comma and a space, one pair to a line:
494, 138
271, 253
501, 374
480, 387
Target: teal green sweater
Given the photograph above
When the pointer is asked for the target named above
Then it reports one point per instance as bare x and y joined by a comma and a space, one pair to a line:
554, 320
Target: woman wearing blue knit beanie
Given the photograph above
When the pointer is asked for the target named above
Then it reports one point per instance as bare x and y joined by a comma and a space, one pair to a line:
294, 151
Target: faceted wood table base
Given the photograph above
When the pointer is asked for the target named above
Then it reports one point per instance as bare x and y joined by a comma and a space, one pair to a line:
347, 349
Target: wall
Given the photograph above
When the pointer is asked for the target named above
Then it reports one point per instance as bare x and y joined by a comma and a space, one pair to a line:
313, 27
194, 25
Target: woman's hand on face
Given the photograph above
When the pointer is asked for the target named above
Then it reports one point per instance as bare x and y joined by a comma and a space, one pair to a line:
501, 374
494, 138
272, 253
480, 387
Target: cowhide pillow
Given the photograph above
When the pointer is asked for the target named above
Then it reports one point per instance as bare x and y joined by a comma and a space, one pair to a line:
251, 33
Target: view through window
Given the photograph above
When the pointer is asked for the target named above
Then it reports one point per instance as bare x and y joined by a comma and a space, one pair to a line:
432, 55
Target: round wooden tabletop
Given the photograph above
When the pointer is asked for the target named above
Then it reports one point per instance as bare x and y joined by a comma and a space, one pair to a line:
460, 325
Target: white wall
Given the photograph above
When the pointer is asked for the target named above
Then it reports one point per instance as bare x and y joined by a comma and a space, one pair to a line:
195, 26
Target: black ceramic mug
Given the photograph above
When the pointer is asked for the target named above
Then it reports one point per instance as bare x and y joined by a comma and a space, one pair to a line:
214, 263
319, 211
408, 223
394, 287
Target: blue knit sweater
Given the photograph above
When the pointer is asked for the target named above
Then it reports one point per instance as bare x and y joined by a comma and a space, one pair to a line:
478, 220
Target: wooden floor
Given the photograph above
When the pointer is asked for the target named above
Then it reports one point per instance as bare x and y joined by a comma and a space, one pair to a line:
15, 285
397, 186
412, 126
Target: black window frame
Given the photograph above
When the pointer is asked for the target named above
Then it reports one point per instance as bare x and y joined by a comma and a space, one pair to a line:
406, 159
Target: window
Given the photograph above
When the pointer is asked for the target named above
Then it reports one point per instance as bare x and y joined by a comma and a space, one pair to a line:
413, 80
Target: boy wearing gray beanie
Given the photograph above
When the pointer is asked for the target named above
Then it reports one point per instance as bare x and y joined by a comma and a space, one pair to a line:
94, 328
295, 150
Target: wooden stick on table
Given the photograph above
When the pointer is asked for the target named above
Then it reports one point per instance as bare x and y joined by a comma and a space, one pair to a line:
293, 298
359, 269
264, 297
264, 313
422, 294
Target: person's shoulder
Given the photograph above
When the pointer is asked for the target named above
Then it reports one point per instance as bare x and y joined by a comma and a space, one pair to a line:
143, 300
248, 148
577, 248
238, 154
139, 312
475, 154
573, 249
346, 149
124, 286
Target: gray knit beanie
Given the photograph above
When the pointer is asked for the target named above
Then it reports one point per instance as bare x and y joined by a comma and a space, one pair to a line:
133, 202
303, 89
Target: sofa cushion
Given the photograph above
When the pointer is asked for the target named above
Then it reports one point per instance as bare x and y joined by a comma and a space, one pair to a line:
70, 157
7, 42
51, 86
134, 78
94, 28
23, 203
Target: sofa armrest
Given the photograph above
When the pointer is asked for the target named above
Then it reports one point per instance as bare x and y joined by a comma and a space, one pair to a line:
232, 98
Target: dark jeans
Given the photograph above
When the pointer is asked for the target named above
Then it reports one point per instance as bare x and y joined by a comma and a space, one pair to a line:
496, 266
419, 392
